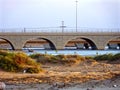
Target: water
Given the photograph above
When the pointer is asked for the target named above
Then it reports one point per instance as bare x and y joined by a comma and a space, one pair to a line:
72, 52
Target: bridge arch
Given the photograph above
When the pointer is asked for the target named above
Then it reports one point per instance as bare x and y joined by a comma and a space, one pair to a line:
87, 39
112, 38
50, 46
8, 41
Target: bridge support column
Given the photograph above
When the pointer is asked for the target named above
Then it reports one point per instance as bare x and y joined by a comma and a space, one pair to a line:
58, 42
59, 47
17, 45
100, 45
101, 41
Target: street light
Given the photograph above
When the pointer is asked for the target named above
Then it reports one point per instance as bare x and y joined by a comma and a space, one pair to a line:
76, 14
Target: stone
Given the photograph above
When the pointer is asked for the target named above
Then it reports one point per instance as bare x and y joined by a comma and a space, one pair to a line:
115, 86
2, 85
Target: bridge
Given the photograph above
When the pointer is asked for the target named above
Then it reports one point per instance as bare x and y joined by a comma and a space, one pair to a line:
98, 39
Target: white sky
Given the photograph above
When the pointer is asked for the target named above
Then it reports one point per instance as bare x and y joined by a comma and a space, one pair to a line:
50, 13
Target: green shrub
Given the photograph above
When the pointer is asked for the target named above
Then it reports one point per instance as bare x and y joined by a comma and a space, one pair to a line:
89, 57
116, 56
103, 57
17, 62
7, 64
33, 70
64, 59
61, 57
35, 56
108, 57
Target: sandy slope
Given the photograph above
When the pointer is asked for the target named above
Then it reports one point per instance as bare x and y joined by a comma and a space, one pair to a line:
87, 74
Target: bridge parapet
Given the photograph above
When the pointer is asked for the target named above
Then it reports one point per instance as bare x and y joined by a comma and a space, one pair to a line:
59, 30
59, 34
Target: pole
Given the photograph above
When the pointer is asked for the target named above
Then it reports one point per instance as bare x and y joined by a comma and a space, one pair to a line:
76, 15
63, 26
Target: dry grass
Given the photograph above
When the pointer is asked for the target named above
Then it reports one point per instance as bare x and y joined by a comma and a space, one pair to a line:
85, 71
65, 69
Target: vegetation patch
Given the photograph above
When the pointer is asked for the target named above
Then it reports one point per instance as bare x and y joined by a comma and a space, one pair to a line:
18, 62
73, 59
61, 59
109, 57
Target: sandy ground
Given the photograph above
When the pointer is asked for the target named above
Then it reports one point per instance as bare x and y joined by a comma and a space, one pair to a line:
87, 75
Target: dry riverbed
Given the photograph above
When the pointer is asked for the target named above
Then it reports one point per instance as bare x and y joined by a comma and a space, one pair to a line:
80, 76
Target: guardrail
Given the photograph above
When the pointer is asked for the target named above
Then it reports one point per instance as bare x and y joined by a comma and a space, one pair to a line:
59, 30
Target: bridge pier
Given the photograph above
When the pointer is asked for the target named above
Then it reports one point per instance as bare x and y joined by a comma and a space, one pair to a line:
59, 48
101, 41
18, 45
100, 47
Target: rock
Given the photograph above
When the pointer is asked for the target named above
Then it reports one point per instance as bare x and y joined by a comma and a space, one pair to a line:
2, 85
59, 85
115, 86
89, 89
53, 88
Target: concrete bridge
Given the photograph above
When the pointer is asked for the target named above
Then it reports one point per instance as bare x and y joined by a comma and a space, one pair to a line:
58, 40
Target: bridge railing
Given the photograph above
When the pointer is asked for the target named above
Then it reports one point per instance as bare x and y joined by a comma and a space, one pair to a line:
59, 30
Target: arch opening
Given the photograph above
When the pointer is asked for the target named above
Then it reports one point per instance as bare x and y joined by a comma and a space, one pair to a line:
113, 44
39, 44
5, 44
80, 43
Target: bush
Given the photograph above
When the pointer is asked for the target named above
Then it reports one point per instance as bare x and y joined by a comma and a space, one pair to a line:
7, 64
89, 57
116, 56
35, 56
108, 57
17, 62
63, 59
3, 53
33, 70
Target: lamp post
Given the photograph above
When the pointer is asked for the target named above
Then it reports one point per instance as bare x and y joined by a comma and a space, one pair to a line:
76, 14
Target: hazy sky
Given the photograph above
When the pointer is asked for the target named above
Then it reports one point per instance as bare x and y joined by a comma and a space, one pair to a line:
50, 13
